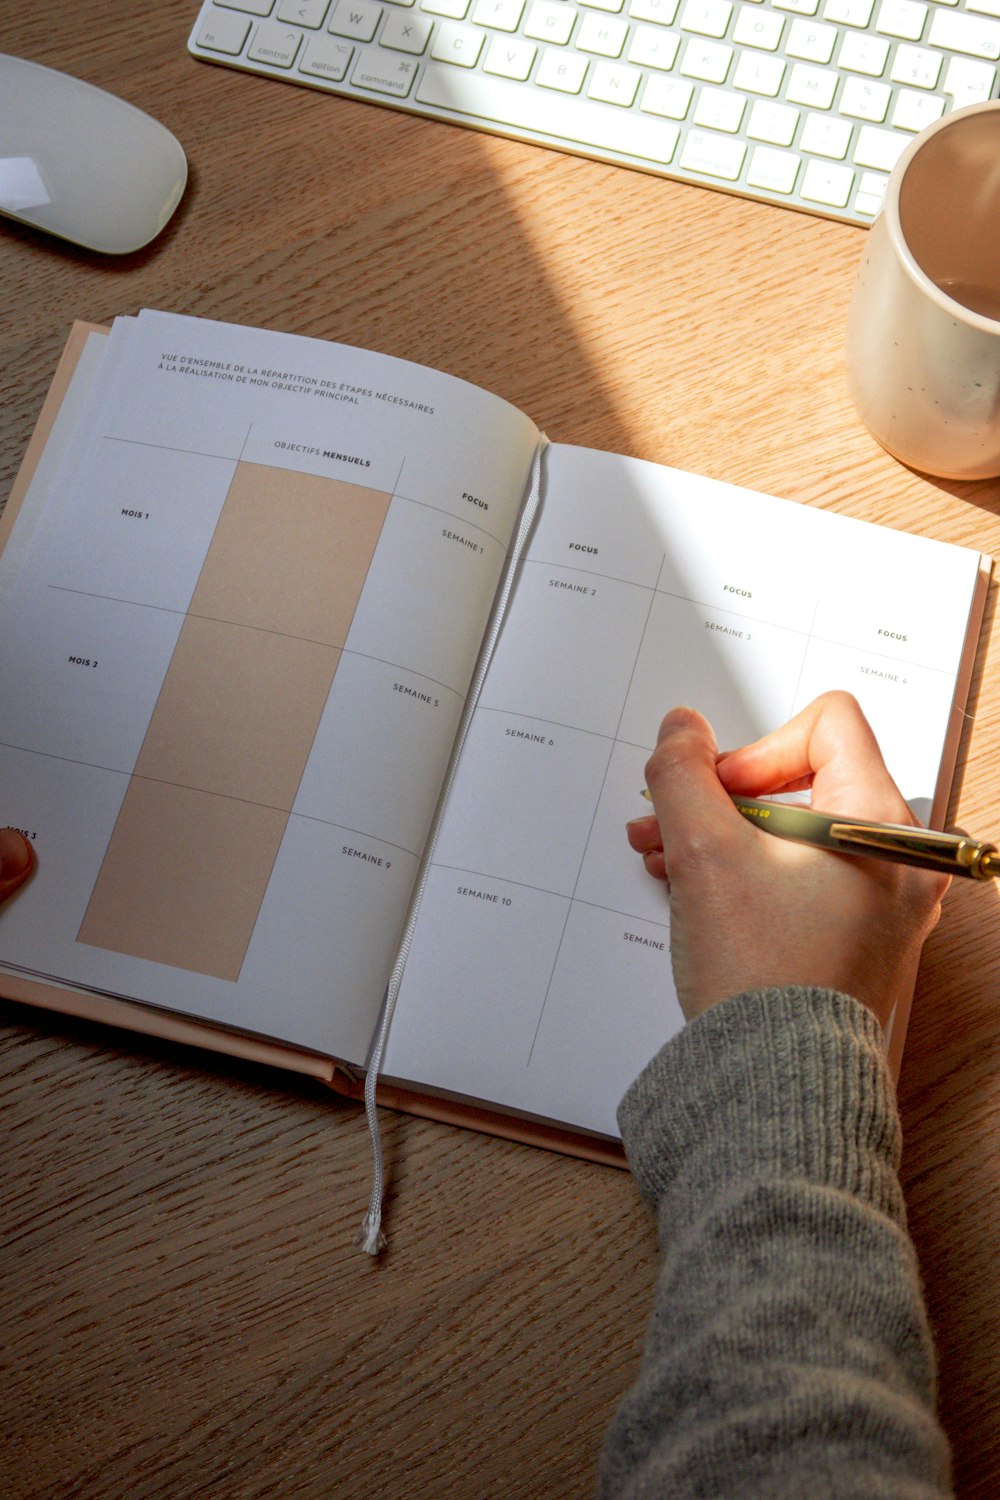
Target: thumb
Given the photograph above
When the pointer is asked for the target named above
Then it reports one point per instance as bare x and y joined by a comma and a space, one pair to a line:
17, 860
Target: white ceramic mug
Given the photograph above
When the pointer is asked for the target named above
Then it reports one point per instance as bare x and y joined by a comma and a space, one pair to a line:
923, 341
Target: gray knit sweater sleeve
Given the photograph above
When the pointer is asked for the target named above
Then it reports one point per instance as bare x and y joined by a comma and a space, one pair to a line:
789, 1353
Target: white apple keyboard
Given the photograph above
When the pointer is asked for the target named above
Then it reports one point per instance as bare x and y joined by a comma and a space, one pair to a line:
806, 103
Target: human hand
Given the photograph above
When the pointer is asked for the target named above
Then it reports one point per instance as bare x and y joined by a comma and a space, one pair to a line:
17, 860
748, 910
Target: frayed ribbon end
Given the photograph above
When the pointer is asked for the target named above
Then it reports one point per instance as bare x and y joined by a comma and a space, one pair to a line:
370, 1238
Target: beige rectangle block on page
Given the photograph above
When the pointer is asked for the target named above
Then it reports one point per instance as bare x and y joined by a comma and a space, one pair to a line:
291, 553
183, 878
238, 711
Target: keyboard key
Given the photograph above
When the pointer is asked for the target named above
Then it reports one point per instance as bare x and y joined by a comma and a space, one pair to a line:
667, 96
901, 18
758, 73
614, 83
975, 35
758, 28
327, 58
863, 54
706, 17
814, 87
864, 99
811, 41
564, 71
984, 7
570, 119
249, 7
455, 10
384, 72
773, 170
498, 15
713, 154
848, 12
274, 45
706, 60
457, 44
357, 19
774, 123
800, 7
718, 109
510, 57
827, 183
652, 47
660, 11
968, 82
223, 32
603, 35
913, 111
825, 135
917, 66
550, 21
871, 191
879, 148
404, 33
308, 13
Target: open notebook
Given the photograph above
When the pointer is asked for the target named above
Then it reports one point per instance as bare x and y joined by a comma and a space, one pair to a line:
245, 586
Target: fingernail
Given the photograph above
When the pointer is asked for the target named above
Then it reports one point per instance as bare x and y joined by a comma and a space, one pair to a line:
15, 853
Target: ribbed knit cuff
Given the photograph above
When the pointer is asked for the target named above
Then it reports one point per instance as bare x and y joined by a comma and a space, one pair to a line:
769, 1084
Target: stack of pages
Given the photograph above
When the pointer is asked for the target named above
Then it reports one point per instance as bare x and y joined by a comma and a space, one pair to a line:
245, 587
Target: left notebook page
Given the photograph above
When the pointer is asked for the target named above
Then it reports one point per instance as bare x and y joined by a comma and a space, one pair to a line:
238, 620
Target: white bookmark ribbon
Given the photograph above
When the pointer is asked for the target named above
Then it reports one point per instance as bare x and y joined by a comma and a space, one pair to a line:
370, 1238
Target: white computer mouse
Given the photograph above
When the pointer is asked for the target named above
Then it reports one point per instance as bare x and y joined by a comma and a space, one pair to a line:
81, 163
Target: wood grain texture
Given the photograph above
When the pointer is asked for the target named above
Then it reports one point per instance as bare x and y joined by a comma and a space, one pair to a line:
183, 1310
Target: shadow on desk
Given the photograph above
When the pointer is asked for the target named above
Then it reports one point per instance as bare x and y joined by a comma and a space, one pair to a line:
184, 1307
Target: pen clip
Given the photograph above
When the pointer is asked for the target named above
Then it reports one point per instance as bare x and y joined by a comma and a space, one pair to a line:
950, 852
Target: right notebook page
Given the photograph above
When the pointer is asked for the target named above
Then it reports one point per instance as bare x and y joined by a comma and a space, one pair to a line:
539, 976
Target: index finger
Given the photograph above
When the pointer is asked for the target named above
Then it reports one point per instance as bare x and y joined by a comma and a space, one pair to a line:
829, 745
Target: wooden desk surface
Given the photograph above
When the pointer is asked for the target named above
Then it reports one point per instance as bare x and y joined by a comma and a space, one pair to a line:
183, 1311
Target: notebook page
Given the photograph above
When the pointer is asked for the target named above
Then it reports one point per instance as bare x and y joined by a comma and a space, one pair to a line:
539, 978
233, 664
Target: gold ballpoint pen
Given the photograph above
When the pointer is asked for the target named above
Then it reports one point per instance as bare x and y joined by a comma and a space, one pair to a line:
953, 853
